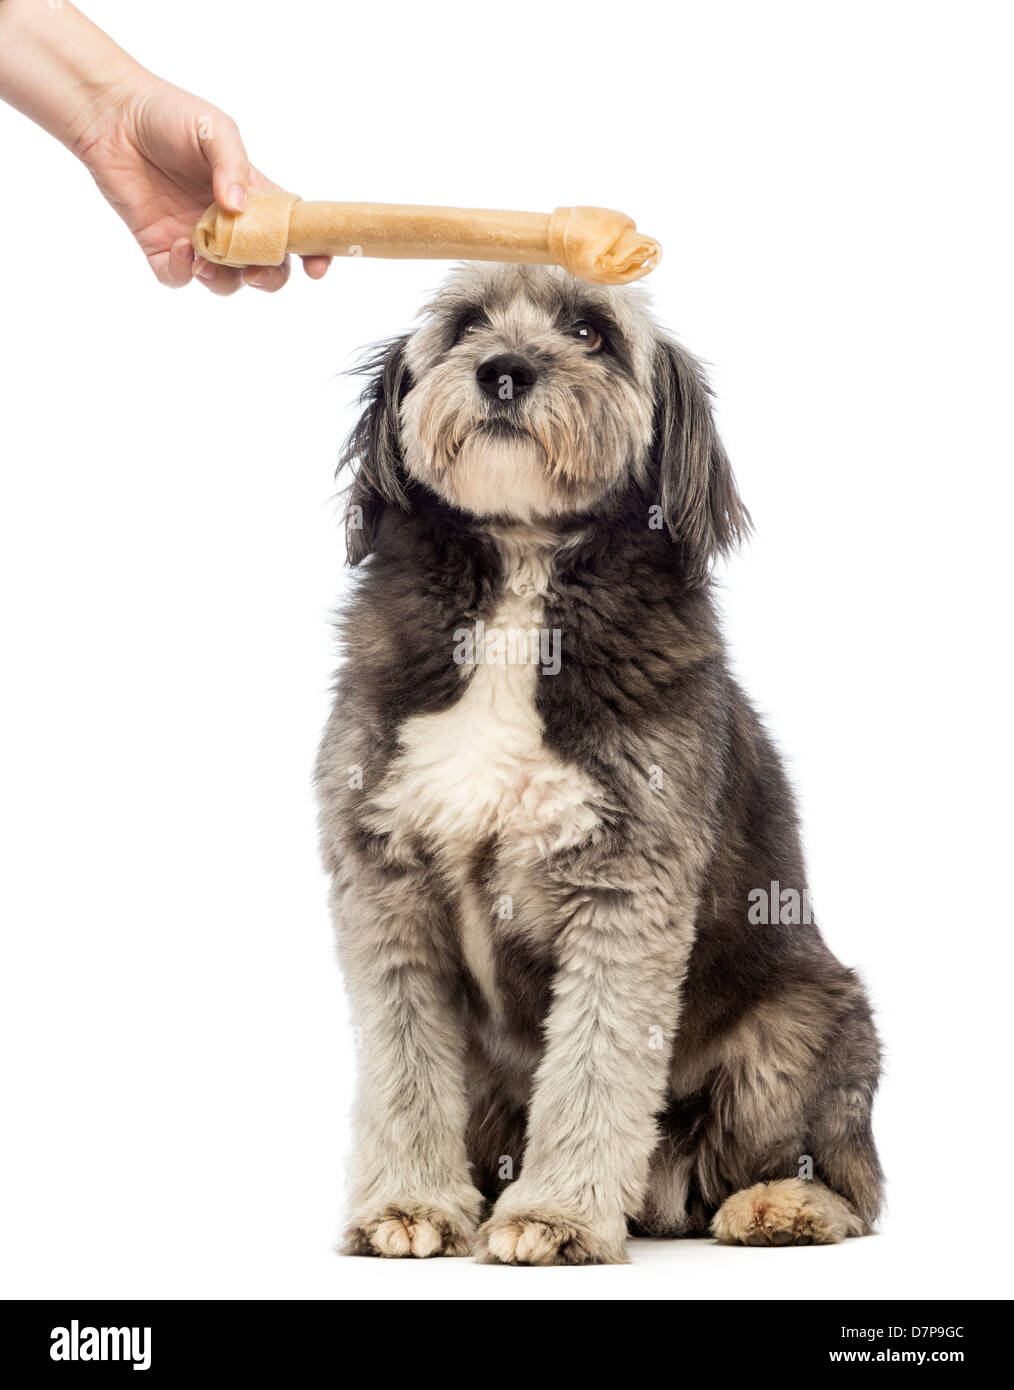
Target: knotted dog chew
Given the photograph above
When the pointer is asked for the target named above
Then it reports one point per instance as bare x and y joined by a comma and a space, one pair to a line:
593, 243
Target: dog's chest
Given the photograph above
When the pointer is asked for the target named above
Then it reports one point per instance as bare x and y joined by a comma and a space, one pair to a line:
479, 773
480, 770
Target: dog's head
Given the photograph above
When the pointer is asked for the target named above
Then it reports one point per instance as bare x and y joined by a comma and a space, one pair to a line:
526, 394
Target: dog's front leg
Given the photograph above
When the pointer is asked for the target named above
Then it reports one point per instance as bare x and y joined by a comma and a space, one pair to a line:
411, 1193
621, 960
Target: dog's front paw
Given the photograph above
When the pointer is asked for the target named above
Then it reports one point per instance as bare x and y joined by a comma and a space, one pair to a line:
407, 1229
545, 1236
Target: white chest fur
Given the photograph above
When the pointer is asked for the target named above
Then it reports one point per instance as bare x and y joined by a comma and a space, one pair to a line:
480, 769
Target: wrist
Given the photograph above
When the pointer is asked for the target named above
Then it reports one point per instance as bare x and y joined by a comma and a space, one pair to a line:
98, 108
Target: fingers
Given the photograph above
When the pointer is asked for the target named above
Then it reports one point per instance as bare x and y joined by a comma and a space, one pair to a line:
174, 267
227, 279
178, 269
219, 279
230, 167
316, 266
267, 277
231, 175
224, 279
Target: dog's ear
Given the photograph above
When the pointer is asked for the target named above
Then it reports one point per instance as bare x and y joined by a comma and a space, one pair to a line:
699, 501
372, 452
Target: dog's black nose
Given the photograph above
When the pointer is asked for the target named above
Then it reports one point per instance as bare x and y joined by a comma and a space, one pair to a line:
505, 377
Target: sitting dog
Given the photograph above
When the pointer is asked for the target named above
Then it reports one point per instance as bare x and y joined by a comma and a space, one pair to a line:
549, 815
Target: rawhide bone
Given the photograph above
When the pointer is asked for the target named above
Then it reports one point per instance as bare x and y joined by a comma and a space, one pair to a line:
592, 243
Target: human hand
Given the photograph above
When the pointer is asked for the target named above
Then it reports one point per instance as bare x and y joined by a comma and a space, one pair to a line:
159, 156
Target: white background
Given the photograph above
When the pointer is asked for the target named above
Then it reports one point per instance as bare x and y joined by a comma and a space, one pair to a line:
831, 184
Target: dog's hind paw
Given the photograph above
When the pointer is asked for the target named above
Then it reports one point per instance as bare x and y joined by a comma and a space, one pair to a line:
547, 1237
407, 1230
785, 1212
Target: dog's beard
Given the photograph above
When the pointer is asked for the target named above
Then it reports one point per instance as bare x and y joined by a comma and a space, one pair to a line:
520, 463
487, 464
501, 473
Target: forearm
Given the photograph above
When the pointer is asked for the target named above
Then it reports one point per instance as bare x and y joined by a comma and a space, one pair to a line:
58, 68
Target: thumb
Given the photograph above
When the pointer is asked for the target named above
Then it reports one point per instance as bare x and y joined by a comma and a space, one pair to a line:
230, 166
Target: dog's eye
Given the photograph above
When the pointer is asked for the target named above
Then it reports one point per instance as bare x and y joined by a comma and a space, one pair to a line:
588, 334
468, 327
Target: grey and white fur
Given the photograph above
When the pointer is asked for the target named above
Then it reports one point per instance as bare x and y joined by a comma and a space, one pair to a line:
570, 1028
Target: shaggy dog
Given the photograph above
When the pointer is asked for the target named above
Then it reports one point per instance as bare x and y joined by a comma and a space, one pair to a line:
551, 817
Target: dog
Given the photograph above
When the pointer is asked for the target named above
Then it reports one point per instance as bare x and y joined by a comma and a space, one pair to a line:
547, 811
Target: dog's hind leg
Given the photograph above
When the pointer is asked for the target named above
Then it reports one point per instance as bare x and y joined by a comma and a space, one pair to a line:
842, 1190
844, 1154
